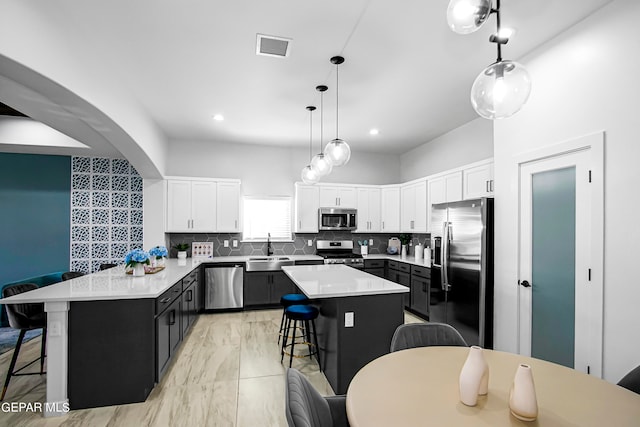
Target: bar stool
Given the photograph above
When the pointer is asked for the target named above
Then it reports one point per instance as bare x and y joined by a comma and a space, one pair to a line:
304, 314
286, 301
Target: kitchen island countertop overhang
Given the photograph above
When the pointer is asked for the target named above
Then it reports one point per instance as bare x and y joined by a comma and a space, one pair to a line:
336, 281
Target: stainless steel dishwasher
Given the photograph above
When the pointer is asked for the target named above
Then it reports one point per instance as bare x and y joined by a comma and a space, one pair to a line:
223, 286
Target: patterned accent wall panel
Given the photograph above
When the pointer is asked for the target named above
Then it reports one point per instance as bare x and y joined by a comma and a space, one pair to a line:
106, 211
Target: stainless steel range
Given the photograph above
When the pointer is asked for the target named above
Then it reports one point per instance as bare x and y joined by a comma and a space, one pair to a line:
339, 252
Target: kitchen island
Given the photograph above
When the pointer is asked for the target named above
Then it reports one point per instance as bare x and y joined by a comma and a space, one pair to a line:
359, 313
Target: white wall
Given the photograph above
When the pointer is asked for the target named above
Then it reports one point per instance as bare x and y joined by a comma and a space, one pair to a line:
272, 170
584, 81
466, 144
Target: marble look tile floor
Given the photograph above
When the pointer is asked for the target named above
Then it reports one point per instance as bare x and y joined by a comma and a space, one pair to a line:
227, 373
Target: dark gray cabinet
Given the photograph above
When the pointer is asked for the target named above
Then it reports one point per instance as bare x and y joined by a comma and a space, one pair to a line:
266, 287
168, 327
420, 284
375, 267
399, 272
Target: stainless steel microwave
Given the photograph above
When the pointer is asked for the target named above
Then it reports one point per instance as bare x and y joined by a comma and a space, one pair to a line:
337, 219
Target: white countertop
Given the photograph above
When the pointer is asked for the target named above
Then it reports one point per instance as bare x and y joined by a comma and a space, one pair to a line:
113, 284
334, 280
409, 259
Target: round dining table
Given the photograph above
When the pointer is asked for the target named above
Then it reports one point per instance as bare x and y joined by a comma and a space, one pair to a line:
419, 387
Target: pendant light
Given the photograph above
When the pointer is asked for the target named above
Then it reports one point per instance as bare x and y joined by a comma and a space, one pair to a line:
337, 151
319, 162
502, 88
309, 174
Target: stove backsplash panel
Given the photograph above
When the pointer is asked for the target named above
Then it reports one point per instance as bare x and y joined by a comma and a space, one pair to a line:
298, 247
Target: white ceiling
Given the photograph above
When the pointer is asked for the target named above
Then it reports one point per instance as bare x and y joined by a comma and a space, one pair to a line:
405, 72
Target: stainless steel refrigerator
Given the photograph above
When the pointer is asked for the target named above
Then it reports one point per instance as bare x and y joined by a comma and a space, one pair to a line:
462, 268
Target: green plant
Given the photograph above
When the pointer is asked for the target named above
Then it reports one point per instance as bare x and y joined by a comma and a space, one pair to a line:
181, 247
405, 238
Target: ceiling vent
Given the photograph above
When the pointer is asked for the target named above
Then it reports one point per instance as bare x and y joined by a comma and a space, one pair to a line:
272, 46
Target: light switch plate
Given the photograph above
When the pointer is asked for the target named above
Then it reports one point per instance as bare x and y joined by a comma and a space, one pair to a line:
309, 242
235, 243
226, 243
370, 242
348, 319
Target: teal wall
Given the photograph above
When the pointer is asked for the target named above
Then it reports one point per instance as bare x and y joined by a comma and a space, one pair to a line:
35, 200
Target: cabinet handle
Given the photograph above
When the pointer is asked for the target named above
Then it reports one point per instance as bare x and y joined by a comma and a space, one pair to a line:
488, 185
383, 225
236, 224
172, 321
165, 300
424, 286
299, 224
491, 185
190, 295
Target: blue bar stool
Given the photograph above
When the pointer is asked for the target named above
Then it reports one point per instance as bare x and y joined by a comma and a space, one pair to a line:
286, 301
305, 314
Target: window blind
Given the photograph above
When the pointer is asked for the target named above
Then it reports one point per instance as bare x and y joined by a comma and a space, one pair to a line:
263, 215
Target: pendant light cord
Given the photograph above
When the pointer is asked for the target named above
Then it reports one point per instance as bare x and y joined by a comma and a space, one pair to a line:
321, 120
310, 135
337, 88
499, 45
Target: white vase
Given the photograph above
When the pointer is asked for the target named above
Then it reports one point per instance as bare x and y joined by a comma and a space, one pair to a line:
138, 270
474, 377
404, 251
182, 254
522, 396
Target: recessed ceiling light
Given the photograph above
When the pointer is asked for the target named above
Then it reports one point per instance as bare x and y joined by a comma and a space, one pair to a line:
218, 117
374, 132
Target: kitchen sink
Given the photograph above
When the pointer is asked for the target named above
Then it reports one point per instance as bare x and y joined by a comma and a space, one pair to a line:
273, 263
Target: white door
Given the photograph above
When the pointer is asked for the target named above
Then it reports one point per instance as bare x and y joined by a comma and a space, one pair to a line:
453, 186
374, 210
363, 210
478, 182
420, 215
408, 208
307, 204
390, 207
560, 304
329, 197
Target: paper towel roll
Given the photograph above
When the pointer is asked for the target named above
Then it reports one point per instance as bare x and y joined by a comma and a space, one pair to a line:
427, 256
419, 251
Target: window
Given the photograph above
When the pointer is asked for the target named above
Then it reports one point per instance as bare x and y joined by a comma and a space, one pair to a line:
264, 215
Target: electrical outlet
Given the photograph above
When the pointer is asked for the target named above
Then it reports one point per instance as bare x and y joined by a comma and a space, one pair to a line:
309, 242
370, 242
226, 243
348, 319
235, 243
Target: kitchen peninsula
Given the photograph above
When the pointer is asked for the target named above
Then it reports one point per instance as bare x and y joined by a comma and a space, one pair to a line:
359, 313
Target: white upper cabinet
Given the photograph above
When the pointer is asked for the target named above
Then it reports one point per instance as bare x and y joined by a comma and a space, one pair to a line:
307, 205
191, 206
444, 189
390, 210
368, 210
414, 207
337, 197
478, 181
228, 207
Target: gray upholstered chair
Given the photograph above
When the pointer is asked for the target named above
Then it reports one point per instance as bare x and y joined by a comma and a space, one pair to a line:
414, 335
305, 407
71, 275
24, 317
631, 381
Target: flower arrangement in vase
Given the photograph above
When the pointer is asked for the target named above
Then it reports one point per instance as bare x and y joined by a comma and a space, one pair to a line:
136, 259
404, 240
158, 253
182, 250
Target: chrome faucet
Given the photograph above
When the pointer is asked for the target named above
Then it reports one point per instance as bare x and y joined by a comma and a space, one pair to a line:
269, 248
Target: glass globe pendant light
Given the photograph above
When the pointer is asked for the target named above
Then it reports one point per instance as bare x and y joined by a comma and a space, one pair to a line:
309, 174
337, 151
467, 16
502, 88
320, 162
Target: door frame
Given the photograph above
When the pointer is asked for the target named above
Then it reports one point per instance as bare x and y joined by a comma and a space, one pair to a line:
595, 293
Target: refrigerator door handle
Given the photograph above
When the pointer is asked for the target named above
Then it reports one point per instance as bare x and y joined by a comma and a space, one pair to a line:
444, 257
